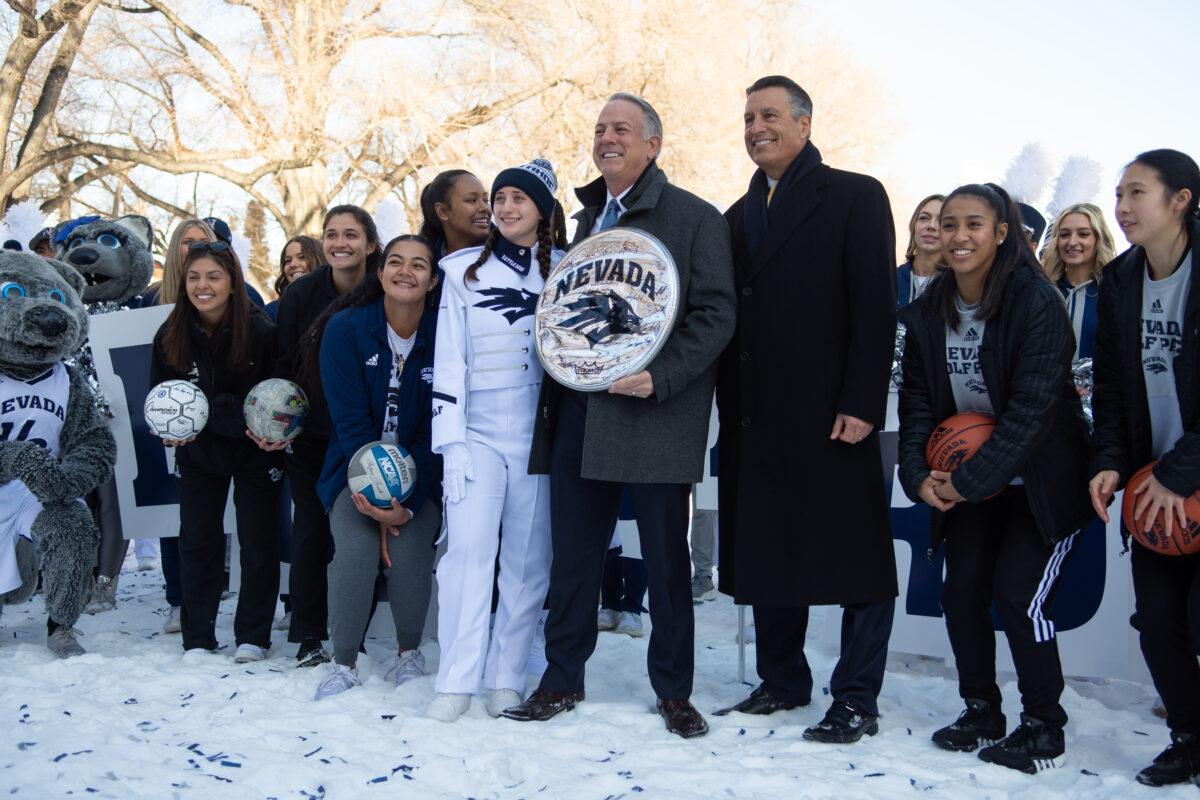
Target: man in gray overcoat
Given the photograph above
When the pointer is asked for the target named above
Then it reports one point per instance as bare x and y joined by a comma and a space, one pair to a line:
647, 433
802, 395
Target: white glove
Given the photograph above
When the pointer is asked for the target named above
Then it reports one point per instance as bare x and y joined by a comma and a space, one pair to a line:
457, 469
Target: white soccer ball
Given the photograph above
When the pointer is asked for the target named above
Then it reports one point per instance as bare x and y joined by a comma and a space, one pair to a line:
176, 410
275, 410
381, 471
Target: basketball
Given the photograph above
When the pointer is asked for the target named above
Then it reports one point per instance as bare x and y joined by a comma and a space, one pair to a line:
176, 410
275, 410
1180, 542
381, 471
957, 439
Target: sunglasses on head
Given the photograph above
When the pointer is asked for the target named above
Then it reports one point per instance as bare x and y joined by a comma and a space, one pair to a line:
205, 247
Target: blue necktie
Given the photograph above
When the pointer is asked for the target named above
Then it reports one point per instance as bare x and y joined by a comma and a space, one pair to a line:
610, 215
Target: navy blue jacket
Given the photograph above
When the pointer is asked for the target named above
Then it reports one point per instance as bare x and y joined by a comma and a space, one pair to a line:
356, 365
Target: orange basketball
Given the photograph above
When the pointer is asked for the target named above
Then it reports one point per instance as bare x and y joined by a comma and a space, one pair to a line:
957, 439
1180, 542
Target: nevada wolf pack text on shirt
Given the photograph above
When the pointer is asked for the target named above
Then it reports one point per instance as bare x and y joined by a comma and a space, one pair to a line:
1161, 334
962, 361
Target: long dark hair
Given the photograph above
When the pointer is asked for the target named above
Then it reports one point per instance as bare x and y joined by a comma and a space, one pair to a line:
312, 251
369, 290
1010, 253
367, 223
437, 191
177, 340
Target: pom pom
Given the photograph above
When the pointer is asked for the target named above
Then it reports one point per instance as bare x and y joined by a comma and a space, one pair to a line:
1077, 182
391, 219
1027, 174
23, 222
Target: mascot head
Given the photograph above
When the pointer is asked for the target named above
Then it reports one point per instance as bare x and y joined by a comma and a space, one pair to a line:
112, 255
42, 319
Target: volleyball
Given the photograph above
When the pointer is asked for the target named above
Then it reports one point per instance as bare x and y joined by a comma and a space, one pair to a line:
275, 410
176, 410
1181, 542
381, 471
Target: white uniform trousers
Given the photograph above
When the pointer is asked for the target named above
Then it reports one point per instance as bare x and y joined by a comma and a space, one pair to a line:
499, 431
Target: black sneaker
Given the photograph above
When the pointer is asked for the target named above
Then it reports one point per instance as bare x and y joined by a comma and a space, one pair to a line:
1179, 763
1031, 748
978, 726
843, 724
311, 654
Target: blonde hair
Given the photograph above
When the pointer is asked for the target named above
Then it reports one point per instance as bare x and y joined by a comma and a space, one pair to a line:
172, 274
1106, 247
911, 252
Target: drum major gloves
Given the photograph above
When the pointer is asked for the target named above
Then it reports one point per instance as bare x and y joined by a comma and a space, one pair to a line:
457, 469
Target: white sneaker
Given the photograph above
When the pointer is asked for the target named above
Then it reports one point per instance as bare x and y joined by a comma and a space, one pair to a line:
338, 681
147, 563
630, 624
172, 625
500, 699
247, 653
606, 619
285, 622
749, 633
62, 642
447, 707
409, 664
536, 663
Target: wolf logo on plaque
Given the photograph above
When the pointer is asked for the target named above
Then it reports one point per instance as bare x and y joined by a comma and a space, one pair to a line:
606, 309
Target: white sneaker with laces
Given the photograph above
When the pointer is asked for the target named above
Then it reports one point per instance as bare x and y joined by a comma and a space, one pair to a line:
408, 665
630, 624
606, 619
172, 625
500, 699
338, 681
447, 707
247, 653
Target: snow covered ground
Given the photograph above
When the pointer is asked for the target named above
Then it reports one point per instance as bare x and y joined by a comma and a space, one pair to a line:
135, 718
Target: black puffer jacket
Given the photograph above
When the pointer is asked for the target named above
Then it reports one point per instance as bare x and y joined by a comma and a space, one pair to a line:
1122, 437
225, 389
1041, 432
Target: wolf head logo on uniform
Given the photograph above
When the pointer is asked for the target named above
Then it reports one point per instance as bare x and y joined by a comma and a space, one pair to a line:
511, 303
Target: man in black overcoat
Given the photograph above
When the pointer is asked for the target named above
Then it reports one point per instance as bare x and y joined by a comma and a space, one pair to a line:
802, 395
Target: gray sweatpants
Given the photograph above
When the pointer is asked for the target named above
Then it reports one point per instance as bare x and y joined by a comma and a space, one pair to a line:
357, 562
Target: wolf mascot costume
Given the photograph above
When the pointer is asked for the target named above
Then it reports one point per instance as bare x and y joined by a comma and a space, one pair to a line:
55, 446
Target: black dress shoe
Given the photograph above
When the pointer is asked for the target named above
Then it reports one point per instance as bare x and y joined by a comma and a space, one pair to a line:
760, 702
542, 705
843, 724
682, 718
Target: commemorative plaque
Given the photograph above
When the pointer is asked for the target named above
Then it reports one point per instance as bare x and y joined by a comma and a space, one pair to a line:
606, 309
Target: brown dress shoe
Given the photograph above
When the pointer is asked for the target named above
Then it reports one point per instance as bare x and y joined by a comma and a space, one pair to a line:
682, 718
541, 705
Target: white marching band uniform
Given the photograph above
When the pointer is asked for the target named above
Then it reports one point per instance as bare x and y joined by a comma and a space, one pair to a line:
30, 411
485, 392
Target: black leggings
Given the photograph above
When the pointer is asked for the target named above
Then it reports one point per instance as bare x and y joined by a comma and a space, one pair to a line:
1167, 592
995, 555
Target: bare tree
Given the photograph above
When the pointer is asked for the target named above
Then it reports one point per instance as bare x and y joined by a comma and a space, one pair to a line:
65, 20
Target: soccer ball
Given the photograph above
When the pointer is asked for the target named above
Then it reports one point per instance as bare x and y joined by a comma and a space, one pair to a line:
381, 471
275, 410
176, 410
